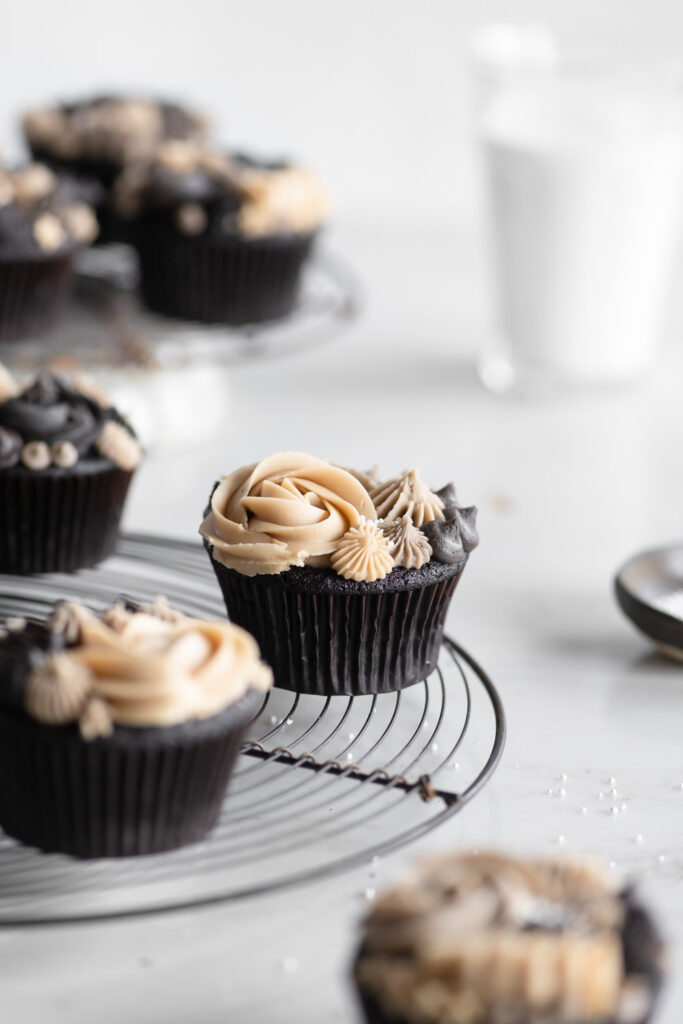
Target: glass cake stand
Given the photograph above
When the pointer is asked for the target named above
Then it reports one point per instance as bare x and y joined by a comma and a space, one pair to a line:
171, 376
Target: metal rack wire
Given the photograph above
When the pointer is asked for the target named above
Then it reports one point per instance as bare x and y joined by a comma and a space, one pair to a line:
322, 784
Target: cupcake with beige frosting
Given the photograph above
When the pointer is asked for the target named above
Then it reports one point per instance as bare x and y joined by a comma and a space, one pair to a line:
484, 938
119, 732
345, 579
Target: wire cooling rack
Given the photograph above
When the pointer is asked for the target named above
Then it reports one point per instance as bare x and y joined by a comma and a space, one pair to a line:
321, 784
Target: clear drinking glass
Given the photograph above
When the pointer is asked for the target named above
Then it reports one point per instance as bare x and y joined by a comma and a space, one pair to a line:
584, 176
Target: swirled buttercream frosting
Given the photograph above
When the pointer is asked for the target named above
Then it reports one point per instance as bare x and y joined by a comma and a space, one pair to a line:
49, 423
489, 939
295, 510
130, 667
407, 495
290, 509
363, 554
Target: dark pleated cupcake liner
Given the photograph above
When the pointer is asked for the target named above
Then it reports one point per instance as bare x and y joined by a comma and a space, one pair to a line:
33, 293
140, 791
57, 520
332, 643
219, 279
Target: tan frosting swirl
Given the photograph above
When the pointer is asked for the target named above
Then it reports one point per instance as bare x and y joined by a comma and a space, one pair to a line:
408, 545
478, 938
363, 554
146, 670
290, 509
407, 495
286, 199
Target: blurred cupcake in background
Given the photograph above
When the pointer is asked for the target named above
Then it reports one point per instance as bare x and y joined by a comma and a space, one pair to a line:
43, 223
96, 138
67, 459
221, 238
485, 938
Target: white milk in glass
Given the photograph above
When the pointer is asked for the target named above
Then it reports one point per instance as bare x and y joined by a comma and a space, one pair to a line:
585, 185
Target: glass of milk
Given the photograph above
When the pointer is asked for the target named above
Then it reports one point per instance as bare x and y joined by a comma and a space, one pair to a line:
584, 171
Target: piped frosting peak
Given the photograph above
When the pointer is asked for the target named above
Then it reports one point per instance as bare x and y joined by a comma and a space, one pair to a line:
407, 495
408, 545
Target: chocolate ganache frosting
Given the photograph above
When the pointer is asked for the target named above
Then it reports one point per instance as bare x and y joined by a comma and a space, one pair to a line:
295, 510
48, 422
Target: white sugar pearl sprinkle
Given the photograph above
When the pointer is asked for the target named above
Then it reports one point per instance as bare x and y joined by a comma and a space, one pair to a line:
290, 964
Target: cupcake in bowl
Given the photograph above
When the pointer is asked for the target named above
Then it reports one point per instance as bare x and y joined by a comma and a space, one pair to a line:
221, 238
119, 733
67, 459
485, 938
43, 224
344, 580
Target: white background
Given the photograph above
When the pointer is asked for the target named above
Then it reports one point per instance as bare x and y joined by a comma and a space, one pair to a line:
374, 93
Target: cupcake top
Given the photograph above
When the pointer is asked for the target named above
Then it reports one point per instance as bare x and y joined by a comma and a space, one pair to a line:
136, 666
48, 423
41, 215
115, 129
204, 191
294, 510
488, 939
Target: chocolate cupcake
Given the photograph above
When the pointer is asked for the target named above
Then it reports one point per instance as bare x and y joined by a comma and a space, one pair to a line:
66, 462
118, 734
96, 138
221, 239
43, 223
483, 938
344, 581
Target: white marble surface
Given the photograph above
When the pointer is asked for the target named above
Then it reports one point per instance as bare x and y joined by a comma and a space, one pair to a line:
567, 490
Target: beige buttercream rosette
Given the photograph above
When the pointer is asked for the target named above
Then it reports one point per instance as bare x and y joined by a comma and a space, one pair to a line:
293, 509
153, 667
